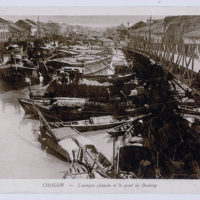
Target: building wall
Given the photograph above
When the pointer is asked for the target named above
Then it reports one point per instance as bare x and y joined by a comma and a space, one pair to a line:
17, 35
4, 32
156, 38
33, 31
25, 26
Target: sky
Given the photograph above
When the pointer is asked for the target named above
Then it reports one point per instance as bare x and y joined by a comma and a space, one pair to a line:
94, 21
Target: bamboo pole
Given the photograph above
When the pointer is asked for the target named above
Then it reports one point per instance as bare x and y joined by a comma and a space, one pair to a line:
114, 165
45, 122
101, 171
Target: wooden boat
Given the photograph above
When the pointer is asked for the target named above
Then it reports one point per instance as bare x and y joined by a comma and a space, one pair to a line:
70, 145
130, 159
190, 111
98, 66
109, 78
87, 89
17, 74
123, 128
69, 109
12, 48
80, 64
78, 170
92, 124
120, 130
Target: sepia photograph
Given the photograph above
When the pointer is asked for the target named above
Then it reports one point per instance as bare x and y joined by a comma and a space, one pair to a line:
100, 96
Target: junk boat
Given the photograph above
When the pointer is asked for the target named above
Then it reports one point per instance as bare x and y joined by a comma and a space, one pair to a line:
93, 123
72, 147
125, 127
69, 109
93, 90
109, 78
19, 75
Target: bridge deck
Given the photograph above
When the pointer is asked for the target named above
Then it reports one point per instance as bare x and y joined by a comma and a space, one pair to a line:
183, 68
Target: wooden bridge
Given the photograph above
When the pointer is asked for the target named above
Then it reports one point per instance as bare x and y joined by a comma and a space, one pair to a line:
182, 60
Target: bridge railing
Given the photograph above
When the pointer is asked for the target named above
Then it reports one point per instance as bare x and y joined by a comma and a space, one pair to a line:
183, 60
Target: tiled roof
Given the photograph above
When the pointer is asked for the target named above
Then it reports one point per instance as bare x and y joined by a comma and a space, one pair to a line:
121, 27
16, 27
26, 22
3, 21
156, 28
31, 22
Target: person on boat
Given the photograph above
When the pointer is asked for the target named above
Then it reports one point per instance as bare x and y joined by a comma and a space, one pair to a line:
31, 96
64, 77
12, 59
144, 168
108, 95
191, 166
2, 59
195, 169
79, 75
71, 76
25, 62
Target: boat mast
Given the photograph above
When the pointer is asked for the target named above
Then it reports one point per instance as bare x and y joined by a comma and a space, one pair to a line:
38, 26
41, 117
149, 38
114, 164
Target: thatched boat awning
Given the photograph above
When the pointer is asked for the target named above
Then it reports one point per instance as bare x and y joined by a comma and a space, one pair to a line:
71, 102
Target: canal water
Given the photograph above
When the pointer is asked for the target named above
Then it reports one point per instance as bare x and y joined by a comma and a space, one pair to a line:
21, 156
20, 152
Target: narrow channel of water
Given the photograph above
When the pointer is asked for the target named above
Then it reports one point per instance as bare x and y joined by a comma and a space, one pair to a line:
21, 156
